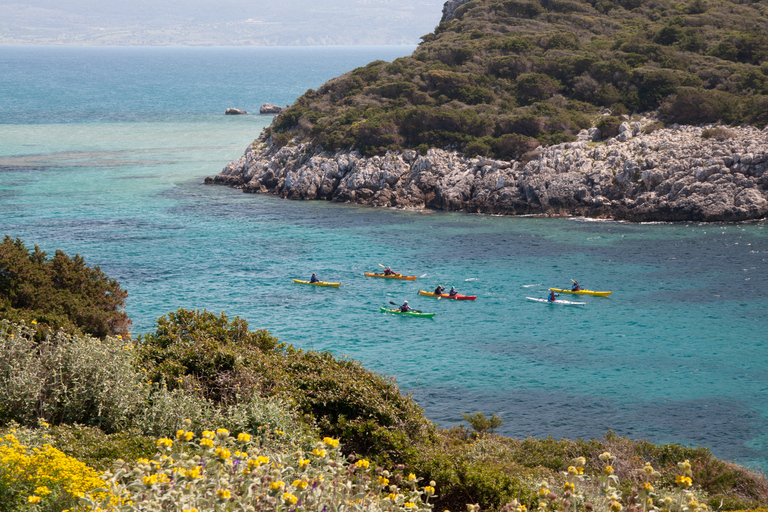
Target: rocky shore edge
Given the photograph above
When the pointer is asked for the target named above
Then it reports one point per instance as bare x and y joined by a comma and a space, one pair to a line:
676, 173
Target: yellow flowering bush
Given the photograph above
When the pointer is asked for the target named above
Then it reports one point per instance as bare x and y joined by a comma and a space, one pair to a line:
237, 472
602, 494
35, 473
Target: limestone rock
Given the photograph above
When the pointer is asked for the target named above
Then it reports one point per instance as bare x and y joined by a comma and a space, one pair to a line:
235, 112
670, 174
270, 109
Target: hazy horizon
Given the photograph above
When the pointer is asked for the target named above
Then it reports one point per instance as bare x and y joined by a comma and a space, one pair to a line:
220, 23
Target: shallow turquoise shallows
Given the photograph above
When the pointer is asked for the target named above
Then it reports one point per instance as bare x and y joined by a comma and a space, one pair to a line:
108, 161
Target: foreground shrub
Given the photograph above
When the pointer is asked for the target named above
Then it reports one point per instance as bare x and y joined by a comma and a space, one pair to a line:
192, 349
35, 475
221, 472
59, 293
67, 379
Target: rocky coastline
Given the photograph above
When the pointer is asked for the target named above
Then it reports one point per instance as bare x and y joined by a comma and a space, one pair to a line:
676, 173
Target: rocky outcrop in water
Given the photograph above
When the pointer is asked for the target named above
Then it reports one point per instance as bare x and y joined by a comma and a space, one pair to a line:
671, 174
268, 108
235, 112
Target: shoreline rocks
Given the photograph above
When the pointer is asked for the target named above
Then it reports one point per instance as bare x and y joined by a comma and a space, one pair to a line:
268, 108
671, 174
235, 112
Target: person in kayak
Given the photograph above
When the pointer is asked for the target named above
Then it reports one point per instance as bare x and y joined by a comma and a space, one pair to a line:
405, 307
553, 296
453, 292
388, 272
314, 278
575, 287
439, 290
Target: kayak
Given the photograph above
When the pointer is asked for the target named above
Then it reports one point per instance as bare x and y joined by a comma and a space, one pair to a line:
446, 296
408, 313
558, 301
582, 292
391, 276
318, 283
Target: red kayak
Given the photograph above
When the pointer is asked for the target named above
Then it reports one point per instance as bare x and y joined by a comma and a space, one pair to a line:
446, 296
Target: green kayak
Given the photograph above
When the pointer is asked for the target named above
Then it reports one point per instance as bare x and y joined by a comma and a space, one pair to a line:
408, 313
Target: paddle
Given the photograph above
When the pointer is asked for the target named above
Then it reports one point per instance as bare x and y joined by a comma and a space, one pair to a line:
398, 305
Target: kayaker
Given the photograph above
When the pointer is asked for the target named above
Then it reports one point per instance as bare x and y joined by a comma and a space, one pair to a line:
439, 290
553, 296
575, 287
405, 307
388, 271
314, 278
453, 292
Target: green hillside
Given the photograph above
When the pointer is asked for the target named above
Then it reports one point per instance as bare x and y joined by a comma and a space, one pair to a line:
504, 76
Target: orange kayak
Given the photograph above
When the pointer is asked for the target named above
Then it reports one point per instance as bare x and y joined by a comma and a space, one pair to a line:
458, 296
391, 276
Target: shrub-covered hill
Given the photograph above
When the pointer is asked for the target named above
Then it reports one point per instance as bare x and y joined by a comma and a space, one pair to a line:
503, 76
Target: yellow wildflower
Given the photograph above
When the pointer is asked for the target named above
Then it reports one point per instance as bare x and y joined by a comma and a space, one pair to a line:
319, 453
189, 436
303, 462
429, 490
300, 484
333, 443
290, 498
362, 463
277, 485
409, 504
34, 499
222, 432
243, 437
411, 477
207, 434
164, 443
608, 470
223, 494
606, 456
180, 434
616, 506
683, 481
206, 442
568, 486
383, 481
223, 453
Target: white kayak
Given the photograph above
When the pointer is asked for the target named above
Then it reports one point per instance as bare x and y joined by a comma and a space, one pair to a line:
557, 301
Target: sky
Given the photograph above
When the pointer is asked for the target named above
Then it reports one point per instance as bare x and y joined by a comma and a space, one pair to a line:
217, 22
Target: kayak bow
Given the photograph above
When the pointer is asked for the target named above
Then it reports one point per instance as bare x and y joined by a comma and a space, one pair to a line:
391, 276
447, 296
582, 292
407, 313
557, 301
318, 283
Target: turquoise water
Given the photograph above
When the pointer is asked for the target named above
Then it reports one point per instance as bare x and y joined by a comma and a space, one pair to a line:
678, 353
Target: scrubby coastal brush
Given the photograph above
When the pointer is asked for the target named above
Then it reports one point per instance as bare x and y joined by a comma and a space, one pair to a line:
503, 76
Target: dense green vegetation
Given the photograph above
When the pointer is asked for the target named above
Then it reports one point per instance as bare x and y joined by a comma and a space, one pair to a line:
504, 76
100, 400
59, 293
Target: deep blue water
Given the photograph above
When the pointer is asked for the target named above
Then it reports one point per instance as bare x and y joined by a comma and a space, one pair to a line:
103, 152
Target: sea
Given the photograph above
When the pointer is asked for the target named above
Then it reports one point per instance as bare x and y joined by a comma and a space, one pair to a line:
103, 153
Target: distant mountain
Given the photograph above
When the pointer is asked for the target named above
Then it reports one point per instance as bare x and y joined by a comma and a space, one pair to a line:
498, 78
220, 23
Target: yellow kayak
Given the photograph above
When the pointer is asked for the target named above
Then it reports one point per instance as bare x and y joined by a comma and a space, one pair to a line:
581, 292
318, 283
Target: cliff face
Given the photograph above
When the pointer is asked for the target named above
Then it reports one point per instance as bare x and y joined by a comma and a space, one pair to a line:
671, 174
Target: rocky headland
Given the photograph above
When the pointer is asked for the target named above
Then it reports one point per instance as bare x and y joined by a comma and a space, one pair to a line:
676, 173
